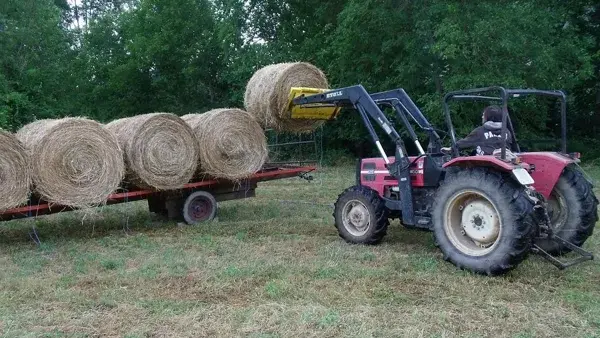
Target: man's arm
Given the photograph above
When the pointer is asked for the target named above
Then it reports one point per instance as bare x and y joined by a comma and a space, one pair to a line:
472, 140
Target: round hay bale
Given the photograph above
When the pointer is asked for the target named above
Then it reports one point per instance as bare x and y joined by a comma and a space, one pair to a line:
15, 179
268, 91
232, 143
160, 150
73, 161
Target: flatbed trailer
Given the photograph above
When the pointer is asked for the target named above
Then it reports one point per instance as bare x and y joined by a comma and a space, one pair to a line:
194, 203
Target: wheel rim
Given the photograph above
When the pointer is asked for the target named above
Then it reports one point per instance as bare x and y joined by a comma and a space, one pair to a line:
472, 223
199, 208
557, 208
356, 218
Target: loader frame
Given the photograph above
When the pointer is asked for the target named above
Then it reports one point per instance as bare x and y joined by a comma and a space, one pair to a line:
367, 106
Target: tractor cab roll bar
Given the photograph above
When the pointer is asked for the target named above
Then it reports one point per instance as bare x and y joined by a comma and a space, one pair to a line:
502, 95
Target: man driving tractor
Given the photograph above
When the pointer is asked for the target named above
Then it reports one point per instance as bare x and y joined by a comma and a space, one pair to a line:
487, 137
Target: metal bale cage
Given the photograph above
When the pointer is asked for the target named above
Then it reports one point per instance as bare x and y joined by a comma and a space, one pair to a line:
294, 149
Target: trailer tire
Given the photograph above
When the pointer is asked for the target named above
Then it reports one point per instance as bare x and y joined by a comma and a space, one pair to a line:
483, 221
361, 216
199, 206
573, 210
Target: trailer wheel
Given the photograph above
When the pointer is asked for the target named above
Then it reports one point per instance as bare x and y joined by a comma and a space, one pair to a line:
199, 206
483, 222
361, 216
573, 210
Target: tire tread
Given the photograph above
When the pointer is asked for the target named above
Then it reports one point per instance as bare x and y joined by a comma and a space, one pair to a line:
521, 236
588, 212
373, 199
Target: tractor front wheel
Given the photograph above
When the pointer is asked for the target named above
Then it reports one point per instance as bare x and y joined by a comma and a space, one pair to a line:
573, 210
361, 216
483, 222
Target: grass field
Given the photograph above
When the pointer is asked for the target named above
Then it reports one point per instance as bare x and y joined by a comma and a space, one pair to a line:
272, 266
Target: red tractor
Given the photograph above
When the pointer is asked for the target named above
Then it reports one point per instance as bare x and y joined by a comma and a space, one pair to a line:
487, 213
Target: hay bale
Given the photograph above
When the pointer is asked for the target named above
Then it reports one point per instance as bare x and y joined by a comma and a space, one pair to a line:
15, 179
268, 90
160, 150
73, 161
232, 143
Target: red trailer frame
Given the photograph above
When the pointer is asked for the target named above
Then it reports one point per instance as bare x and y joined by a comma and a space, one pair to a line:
195, 202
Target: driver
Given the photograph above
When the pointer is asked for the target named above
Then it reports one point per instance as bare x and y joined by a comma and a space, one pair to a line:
487, 137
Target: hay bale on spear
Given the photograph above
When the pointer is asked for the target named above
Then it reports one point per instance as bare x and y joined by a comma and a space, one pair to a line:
160, 150
232, 144
15, 176
268, 91
73, 161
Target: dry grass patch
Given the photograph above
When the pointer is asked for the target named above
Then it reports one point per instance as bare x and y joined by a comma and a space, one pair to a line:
271, 268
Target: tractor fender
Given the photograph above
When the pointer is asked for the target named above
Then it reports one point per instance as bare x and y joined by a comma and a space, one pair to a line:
548, 166
479, 161
520, 173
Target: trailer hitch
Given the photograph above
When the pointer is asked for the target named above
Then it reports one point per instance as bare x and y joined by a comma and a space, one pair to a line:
583, 255
547, 233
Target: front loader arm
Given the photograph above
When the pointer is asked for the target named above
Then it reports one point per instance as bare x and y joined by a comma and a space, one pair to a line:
358, 98
402, 104
399, 96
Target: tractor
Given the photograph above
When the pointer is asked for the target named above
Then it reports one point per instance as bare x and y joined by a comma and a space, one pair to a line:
487, 212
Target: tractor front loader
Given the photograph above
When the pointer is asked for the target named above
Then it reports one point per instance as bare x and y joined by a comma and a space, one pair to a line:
487, 213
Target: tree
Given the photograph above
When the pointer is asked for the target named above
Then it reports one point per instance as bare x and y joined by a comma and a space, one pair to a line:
108, 59
35, 54
161, 56
434, 47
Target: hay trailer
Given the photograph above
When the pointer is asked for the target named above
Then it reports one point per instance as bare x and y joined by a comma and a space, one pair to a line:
194, 203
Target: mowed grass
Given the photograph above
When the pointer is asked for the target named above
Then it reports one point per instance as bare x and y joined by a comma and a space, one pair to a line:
271, 266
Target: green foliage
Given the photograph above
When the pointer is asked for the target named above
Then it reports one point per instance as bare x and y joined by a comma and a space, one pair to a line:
162, 56
35, 52
444, 45
109, 59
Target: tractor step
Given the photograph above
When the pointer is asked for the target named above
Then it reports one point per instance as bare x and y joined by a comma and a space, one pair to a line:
421, 223
583, 255
423, 220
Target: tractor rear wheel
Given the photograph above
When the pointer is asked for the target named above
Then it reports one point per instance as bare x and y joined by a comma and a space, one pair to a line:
573, 210
361, 216
483, 222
